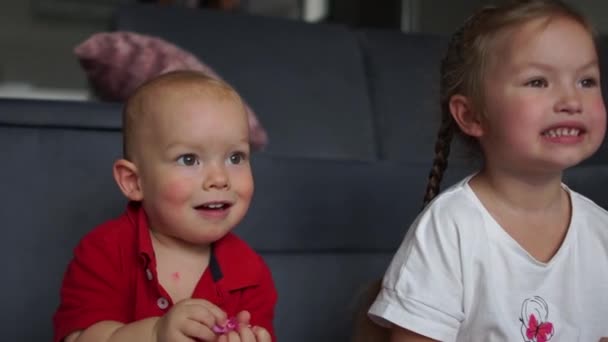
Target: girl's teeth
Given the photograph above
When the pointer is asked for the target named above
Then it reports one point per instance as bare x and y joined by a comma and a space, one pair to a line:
563, 132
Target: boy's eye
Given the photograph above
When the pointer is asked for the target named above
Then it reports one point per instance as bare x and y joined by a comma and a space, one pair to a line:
537, 83
188, 160
237, 158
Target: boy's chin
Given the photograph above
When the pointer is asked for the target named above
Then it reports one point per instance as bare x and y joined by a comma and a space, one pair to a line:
209, 237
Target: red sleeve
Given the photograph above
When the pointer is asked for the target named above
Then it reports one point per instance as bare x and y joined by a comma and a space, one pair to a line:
261, 300
93, 288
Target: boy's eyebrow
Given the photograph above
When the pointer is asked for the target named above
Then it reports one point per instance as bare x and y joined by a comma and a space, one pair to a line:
242, 143
176, 145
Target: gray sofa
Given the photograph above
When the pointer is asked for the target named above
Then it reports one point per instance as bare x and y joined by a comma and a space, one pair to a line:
351, 116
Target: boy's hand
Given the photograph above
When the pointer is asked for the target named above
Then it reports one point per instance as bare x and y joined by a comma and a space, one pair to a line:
187, 320
245, 332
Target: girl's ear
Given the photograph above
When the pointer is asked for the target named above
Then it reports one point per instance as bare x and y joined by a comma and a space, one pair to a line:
465, 116
126, 176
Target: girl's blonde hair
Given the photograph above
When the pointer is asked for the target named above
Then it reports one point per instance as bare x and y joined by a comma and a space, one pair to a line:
462, 73
464, 64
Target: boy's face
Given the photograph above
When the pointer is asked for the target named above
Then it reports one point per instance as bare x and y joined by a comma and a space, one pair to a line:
192, 156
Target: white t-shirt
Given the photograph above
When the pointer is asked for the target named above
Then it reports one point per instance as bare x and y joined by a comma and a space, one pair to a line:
458, 276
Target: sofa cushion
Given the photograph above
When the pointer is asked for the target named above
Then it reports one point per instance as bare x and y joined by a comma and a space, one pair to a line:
305, 81
403, 71
116, 63
328, 229
57, 185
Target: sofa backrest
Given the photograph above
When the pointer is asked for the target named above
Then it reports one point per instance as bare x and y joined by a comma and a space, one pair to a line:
57, 185
305, 82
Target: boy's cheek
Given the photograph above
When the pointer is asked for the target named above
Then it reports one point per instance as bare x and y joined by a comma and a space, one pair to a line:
176, 191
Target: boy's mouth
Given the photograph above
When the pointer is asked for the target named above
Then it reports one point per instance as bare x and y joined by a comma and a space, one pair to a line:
214, 206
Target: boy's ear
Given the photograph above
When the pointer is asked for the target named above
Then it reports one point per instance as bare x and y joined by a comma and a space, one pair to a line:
465, 116
126, 176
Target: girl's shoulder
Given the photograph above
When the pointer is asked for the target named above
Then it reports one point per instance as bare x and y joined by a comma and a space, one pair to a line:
458, 199
588, 214
585, 205
455, 213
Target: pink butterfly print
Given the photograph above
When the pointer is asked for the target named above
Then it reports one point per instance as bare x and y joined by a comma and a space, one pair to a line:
539, 332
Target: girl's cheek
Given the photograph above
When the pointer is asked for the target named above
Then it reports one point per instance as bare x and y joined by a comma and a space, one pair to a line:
599, 106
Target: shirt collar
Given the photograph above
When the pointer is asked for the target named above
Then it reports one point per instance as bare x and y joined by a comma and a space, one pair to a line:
232, 263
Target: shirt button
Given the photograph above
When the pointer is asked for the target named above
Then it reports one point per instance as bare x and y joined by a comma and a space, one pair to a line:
149, 274
162, 303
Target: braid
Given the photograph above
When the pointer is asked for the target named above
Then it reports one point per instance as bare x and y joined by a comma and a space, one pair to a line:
450, 81
454, 68
440, 163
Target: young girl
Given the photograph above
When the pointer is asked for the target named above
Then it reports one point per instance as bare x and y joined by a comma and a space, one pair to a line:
510, 253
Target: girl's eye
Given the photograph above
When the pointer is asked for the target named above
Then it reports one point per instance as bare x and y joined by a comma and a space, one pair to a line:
537, 83
589, 83
237, 158
188, 160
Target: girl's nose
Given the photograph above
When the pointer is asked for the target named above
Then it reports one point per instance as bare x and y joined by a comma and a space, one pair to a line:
569, 102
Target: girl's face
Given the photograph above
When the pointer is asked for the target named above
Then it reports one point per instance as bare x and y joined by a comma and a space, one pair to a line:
544, 110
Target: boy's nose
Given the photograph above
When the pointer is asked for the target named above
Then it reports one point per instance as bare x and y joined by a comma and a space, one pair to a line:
216, 178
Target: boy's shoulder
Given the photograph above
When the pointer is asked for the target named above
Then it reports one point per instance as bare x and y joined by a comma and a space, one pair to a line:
117, 229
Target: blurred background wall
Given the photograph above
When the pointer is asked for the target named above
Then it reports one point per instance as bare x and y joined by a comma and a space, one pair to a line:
37, 36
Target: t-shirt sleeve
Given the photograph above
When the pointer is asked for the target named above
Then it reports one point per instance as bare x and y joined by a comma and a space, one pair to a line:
422, 290
261, 300
90, 292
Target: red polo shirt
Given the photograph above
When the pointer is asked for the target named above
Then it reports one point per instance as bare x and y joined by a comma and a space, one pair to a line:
113, 277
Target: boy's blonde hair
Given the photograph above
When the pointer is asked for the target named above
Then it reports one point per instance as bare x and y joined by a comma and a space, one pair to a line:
176, 81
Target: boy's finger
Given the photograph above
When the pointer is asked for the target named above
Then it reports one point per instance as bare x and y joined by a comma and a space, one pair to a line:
197, 330
261, 334
204, 315
243, 317
219, 314
233, 336
246, 334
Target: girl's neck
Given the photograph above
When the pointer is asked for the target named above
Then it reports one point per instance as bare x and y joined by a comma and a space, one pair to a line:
521, 192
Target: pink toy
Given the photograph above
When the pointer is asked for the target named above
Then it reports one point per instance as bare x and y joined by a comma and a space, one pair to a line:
231, 325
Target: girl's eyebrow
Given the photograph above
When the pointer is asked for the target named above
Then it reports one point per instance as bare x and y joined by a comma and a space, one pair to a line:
544, 66
594, 63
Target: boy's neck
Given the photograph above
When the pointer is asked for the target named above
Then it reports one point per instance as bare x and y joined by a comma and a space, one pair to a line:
169, 243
